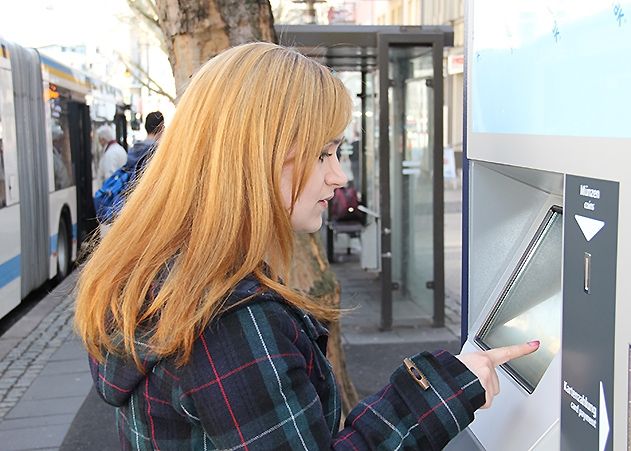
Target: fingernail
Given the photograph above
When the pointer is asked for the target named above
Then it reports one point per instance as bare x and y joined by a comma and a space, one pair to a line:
534, 343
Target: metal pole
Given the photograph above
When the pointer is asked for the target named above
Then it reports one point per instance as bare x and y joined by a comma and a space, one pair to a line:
384, 181
311, 12
439, 197
362, 152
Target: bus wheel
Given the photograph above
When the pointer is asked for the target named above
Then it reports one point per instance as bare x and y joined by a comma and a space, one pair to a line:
64, 250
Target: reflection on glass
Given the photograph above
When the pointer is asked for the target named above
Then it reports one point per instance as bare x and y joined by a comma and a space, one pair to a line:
349, 151
411, 179
529, 308
371, 158
62, 157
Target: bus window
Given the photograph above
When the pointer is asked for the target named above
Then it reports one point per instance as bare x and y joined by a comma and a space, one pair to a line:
62, 157
97, 149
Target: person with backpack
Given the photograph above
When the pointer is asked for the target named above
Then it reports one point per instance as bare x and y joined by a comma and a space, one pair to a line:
154, 124
109, 199
190, 329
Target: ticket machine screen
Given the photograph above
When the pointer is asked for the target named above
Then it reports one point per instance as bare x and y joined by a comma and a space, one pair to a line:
529, 307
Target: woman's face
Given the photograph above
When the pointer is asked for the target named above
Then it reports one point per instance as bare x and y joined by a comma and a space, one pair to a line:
326, 176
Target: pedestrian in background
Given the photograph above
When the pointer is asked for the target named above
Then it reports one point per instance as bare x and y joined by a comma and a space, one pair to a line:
113, 156
192, 333
110, 198
154, 124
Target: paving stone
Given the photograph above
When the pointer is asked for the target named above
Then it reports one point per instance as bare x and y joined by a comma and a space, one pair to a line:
25, 382
50, 436
45, 407
13, 373
66, 366
7, 382
48, 352
59, 386
68, 351
30, 423
24, 363
14, 393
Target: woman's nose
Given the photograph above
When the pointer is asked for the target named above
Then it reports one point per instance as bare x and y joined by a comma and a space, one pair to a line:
335, 175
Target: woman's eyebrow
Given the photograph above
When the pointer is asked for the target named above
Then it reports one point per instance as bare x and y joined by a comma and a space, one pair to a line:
334, 142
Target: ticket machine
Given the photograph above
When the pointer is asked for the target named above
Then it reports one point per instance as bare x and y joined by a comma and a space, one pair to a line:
546, 204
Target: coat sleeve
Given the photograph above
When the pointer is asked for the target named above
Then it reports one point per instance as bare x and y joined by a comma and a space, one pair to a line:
250, 385
404, 416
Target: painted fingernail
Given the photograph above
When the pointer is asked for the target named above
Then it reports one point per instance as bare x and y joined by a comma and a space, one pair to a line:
534, 343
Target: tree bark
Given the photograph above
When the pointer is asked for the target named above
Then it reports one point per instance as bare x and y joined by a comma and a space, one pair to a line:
312, 275
195, 31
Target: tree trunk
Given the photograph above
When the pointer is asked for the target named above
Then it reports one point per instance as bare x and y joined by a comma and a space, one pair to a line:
195, 31
312, 274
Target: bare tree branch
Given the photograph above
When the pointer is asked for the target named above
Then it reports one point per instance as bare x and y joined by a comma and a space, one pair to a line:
147, 11
144, 78
151, 4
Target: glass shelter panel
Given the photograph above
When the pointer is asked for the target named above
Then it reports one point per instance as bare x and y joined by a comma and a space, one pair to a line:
530, 305
349, 151
411, 164
371, 158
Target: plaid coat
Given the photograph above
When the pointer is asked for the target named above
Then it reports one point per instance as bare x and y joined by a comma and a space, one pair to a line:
259, 379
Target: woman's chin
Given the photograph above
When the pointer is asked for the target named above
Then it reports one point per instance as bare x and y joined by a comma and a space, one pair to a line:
308, 228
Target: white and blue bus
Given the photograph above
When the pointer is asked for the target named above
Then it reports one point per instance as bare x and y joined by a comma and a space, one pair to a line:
48, 115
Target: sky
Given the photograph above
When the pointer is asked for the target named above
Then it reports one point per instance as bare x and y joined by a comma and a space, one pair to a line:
37, 23
97, 24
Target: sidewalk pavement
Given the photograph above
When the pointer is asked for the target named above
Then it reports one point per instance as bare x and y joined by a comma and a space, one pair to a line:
46, 396
44, 376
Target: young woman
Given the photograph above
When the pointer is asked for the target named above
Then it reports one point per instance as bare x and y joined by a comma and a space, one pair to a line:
191, 332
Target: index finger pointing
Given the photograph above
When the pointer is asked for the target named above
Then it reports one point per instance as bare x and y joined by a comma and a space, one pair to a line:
502, 355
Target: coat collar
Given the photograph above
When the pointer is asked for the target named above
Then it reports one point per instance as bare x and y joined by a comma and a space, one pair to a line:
251, 286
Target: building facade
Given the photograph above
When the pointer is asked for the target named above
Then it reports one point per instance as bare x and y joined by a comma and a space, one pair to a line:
431, 12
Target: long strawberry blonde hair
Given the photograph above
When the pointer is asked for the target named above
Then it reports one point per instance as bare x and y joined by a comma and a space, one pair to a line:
209, 202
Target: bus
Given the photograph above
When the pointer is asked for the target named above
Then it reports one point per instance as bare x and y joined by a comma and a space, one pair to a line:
48, 115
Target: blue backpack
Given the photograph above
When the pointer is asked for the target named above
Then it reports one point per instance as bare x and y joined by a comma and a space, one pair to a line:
109, 199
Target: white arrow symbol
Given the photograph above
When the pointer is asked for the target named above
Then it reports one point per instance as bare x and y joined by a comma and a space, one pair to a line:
589, 226
603, 420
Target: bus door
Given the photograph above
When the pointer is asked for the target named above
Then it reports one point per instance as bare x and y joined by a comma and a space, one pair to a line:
80, 143
120, 122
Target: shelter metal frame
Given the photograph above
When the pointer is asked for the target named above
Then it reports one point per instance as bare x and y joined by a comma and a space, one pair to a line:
366, 49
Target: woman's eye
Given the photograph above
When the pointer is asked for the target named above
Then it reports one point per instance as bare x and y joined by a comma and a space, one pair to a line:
324, 155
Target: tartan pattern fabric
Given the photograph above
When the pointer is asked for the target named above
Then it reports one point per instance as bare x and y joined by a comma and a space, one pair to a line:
259, 379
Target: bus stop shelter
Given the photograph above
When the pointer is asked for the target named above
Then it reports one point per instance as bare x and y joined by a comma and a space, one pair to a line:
401, 150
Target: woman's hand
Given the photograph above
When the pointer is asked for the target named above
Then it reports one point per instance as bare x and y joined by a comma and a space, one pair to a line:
483, 364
